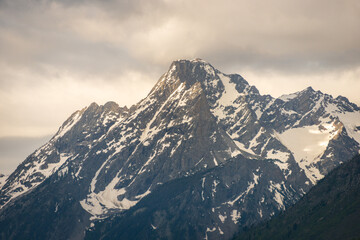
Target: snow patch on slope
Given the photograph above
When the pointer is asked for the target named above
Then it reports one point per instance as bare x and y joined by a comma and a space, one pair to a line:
281, 156
228, 97
288, 97
103, 202
100, 203
235, 216
307, 145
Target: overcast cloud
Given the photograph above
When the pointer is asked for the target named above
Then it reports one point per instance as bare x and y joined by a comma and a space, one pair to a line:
59, 56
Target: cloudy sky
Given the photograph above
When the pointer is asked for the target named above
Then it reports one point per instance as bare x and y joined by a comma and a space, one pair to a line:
57, 56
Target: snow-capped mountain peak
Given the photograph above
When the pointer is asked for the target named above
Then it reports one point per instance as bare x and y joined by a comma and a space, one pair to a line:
237, 155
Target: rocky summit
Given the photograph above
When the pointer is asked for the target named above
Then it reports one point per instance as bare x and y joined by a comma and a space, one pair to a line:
199, 157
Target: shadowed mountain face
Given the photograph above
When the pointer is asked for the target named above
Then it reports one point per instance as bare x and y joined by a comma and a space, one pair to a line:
201, 155
331, 210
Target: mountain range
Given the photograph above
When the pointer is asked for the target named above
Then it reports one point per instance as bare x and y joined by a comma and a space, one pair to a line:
203, 154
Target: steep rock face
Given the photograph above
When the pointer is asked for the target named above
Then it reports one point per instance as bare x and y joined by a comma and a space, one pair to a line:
236, 157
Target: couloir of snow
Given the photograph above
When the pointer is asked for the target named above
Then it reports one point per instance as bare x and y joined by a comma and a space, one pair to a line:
247, 191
